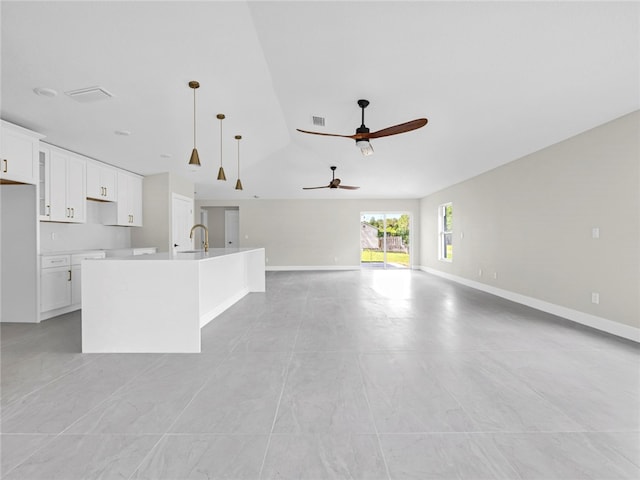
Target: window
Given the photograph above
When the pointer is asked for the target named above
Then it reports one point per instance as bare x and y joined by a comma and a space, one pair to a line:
445, 222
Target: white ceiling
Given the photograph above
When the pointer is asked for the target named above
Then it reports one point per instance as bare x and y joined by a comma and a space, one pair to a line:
497, 81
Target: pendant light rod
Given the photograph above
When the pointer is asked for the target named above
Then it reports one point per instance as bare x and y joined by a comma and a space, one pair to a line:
195, 158
238, 182
221, 175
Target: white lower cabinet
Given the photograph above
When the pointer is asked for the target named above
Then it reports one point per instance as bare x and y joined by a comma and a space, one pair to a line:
61, 281
55, 282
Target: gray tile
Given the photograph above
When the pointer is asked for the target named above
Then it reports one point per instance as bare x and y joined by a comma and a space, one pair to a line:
436, 358
16, 448
563, 455
444, 456
616, 444
598, 391
241, 396
406, 395
495, 399
86, 457
203, 456
271, 332
154, 400
22, 374
225, 332
324, 393
56, 406
299, 457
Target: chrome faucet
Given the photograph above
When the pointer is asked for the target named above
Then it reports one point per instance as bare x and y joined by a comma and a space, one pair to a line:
206, 235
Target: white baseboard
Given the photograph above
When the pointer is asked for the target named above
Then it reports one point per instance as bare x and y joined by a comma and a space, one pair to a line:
292, 268
599, 323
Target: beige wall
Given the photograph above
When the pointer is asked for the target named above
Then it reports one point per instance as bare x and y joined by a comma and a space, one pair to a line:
530, 222
156, 214
310, 233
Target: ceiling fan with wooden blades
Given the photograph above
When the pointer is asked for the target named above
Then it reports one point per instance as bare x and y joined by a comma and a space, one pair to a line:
334, 183
363, 134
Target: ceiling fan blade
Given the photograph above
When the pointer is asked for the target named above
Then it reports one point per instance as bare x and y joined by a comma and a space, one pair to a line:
327, 134
313, 188
400, 128
348, 187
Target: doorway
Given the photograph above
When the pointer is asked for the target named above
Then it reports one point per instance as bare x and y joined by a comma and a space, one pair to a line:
231, 228
181, 222
385, 240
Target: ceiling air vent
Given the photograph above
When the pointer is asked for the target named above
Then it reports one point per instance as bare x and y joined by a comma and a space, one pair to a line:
88, 95
318, 121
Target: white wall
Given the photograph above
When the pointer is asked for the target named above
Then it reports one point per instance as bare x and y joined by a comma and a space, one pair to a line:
530, 222
311, 233
18, 253
60, 237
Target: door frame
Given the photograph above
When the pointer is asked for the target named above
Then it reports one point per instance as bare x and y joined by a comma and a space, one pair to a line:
384, 214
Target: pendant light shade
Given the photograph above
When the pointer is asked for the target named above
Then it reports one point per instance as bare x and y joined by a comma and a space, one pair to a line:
195, 158
221, 175
238, 182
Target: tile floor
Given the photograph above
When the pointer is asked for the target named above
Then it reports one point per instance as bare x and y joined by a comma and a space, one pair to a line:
330, 375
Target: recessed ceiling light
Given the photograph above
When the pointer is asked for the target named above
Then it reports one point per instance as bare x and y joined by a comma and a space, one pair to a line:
45, 92
165, 155
123, 133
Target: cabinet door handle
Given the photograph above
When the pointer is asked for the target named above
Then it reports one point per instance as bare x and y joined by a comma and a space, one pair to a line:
73, 212
68, 212
69, 279
48, 214
106, 190
6, 165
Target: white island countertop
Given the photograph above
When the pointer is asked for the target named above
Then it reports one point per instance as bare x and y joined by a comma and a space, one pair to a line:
189, 255
157, 303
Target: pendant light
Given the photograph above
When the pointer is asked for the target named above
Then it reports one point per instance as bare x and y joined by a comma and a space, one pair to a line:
221, 175
195, 158
238, 182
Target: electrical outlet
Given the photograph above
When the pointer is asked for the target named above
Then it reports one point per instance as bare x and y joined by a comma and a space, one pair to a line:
495, 275
595, 297
480, 272
595, 232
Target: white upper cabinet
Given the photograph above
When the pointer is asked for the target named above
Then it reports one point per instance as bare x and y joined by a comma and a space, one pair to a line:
101, 182
19, 154
128, 211
65, 187
130, 201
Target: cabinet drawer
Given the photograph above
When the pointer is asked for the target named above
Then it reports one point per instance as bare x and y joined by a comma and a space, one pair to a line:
49, 261
77, 258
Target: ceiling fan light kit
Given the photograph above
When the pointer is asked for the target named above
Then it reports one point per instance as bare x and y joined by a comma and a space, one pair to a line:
195, 158
365, 147
363, 134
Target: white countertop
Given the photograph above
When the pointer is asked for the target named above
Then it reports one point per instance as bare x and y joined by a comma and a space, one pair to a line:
185, 256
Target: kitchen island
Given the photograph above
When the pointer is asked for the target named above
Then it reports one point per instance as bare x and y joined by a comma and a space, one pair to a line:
158, 303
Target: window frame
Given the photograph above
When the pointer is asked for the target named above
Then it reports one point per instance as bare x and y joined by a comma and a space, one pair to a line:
444, 234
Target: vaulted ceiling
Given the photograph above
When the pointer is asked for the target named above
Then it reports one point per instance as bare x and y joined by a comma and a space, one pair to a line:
497, 81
